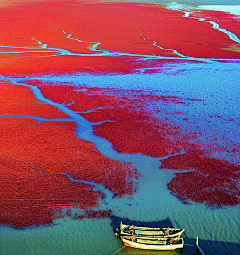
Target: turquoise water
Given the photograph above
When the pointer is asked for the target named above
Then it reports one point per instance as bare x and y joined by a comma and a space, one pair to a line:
191, 2
217, 230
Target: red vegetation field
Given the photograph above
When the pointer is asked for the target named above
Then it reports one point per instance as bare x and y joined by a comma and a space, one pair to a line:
55, 37
126, 124
119, 27
209, 181
29, 150
134, 130
30, 155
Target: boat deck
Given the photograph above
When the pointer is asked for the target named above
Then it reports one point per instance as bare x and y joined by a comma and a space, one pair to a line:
149, 232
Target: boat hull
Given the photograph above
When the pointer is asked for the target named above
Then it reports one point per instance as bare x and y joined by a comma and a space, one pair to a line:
127, 230
160, 247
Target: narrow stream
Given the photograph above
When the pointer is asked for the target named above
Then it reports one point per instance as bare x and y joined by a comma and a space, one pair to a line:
147, 166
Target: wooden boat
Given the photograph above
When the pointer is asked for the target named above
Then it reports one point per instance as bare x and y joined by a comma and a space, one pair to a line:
153, 243
130, 230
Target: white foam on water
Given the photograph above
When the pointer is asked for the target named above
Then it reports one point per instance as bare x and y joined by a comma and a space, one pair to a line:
233, 9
